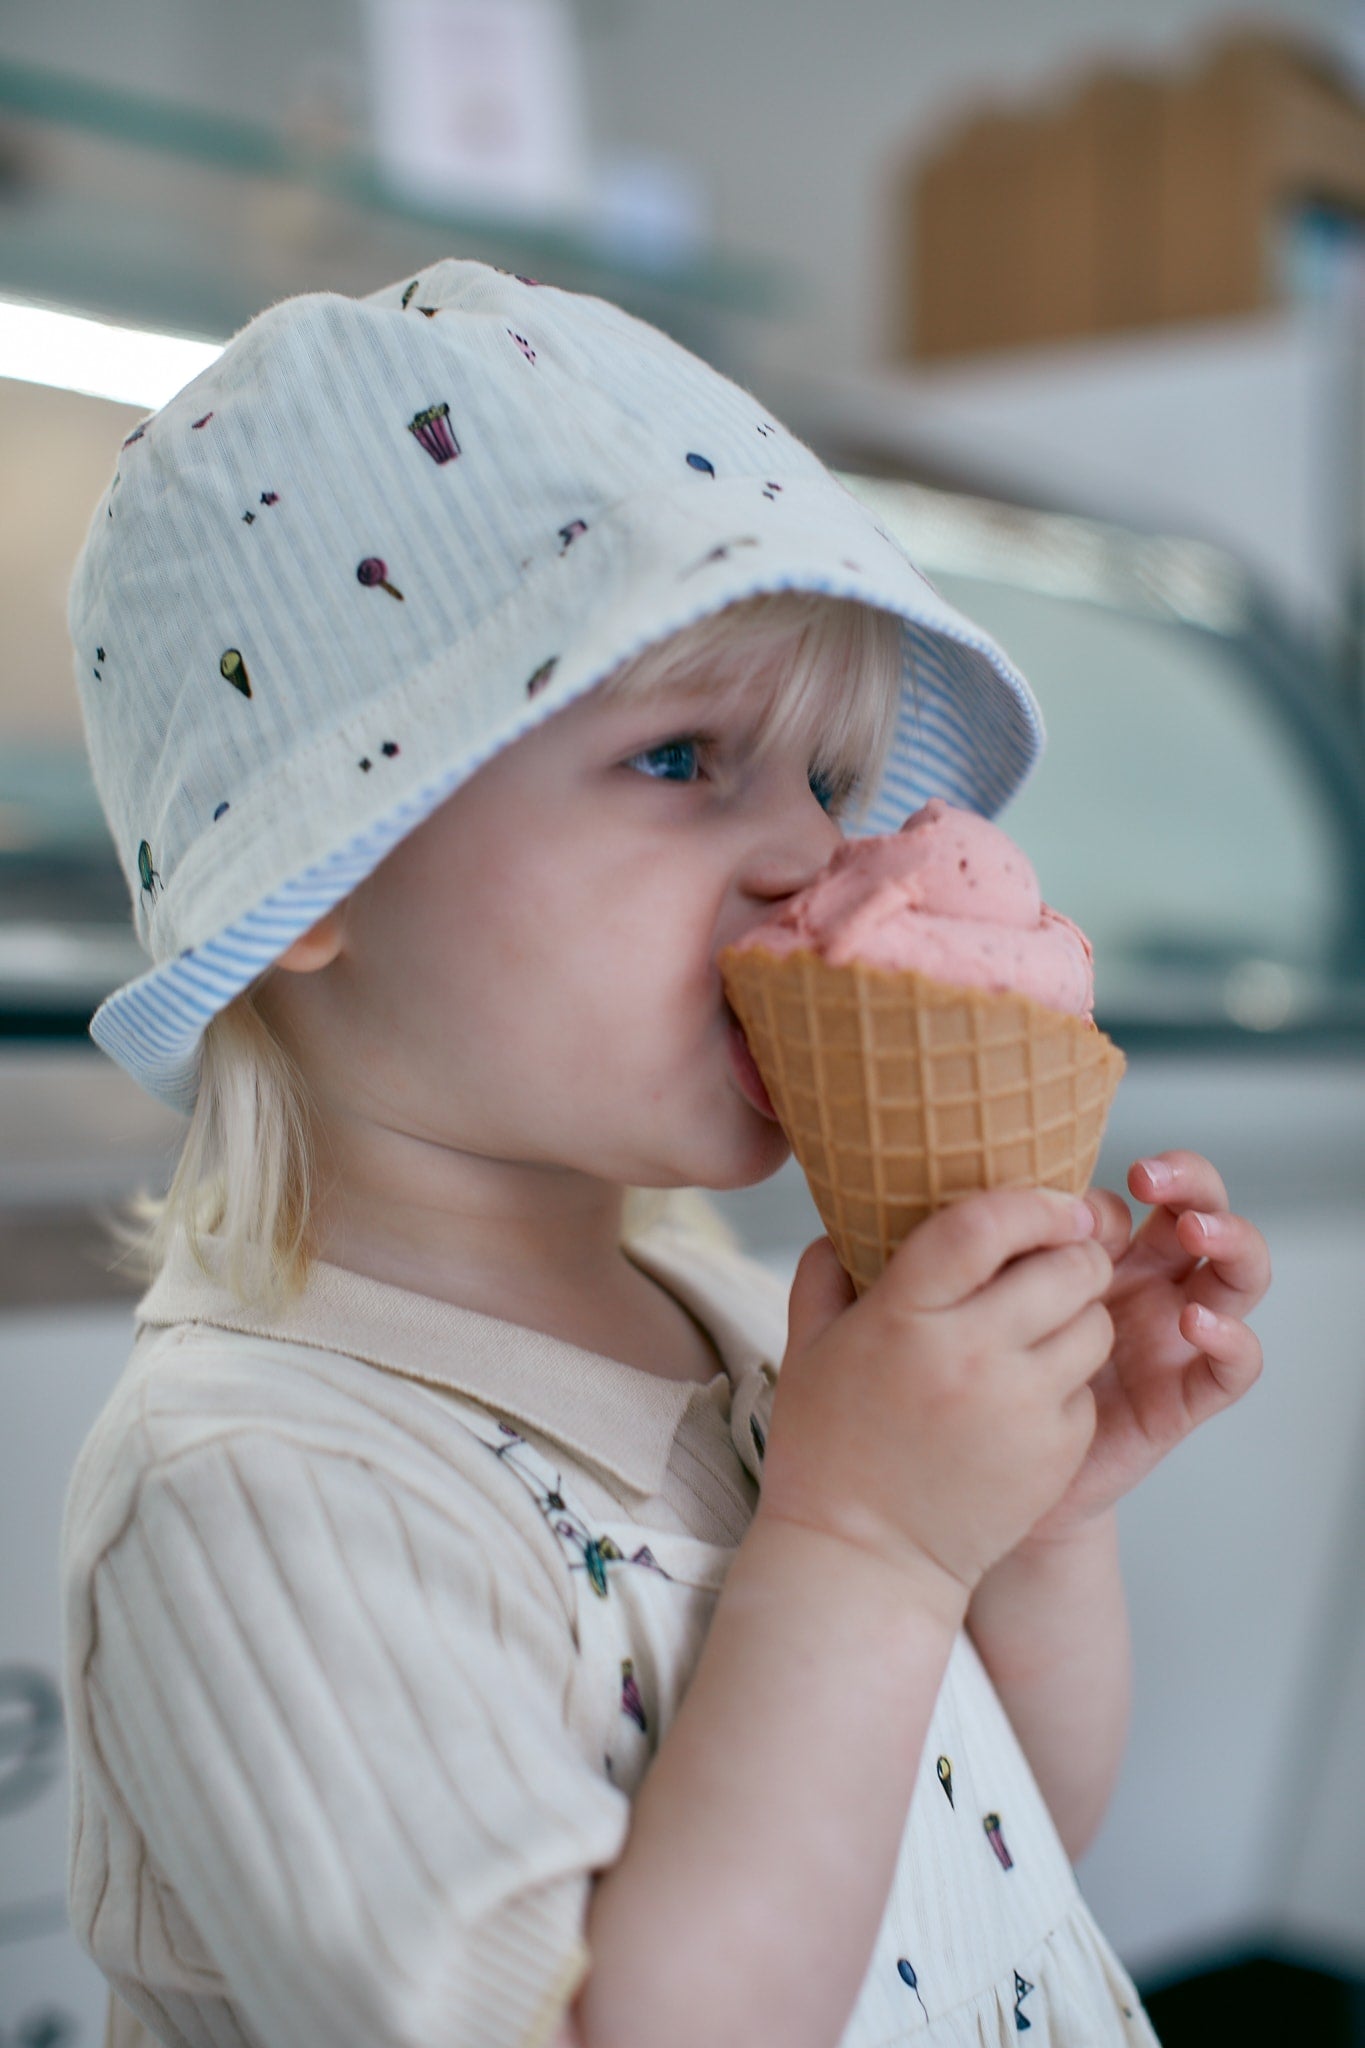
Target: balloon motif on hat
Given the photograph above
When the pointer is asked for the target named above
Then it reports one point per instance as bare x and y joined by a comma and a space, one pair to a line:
905, 1970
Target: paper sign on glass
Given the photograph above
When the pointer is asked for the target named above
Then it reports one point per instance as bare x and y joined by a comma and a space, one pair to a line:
479, 103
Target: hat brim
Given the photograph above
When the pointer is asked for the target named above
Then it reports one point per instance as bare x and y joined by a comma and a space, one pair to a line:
967, 727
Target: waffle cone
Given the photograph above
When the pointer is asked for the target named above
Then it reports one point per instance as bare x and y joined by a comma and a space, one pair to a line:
900, 1094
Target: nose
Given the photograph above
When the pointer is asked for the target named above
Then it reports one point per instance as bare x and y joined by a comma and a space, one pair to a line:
794, 842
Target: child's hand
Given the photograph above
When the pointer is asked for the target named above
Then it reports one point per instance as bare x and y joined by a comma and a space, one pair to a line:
933, 1421
1182, 1351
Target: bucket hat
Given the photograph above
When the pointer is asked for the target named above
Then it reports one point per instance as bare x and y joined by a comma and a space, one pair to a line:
380, 538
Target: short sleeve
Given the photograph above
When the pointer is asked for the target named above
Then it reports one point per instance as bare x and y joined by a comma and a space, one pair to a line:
334, 1707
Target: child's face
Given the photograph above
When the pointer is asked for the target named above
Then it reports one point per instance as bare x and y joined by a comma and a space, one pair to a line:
531, 974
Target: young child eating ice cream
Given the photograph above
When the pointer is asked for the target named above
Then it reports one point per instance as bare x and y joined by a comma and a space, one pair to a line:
495, 1612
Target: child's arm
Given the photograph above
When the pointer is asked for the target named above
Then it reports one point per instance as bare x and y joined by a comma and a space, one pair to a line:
909, 1433
763, 1841
1051, 1626
1050, 1621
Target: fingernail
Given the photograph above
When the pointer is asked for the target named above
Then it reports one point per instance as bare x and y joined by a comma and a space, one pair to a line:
1158, 1172
1206, 1226
1204, 1319
1083, 1218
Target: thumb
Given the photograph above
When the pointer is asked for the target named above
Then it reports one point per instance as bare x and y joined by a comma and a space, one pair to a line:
821, 1291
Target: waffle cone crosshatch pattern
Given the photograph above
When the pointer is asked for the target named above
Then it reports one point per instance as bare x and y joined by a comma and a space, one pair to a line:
900, 1094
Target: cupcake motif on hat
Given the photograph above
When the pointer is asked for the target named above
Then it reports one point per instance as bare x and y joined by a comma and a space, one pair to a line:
432, 429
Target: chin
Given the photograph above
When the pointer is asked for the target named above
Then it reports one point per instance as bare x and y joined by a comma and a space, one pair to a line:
766, 1153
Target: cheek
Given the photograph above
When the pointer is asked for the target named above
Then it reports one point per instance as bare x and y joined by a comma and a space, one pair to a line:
549, 937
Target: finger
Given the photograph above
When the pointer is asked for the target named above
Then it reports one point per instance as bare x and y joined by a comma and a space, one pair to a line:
1173, 1182
1043, 1291
1071, 1356
1238, 1270
960, 1248
820, 1292
1113, 1221
1178, 1180
1229, 1360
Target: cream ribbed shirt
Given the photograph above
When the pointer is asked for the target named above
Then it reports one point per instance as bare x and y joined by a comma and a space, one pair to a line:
376, 1610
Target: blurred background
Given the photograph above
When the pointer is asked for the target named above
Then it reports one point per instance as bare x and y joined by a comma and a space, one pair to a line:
1074, 293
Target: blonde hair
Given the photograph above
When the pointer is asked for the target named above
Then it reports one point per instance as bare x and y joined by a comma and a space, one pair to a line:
248, 1167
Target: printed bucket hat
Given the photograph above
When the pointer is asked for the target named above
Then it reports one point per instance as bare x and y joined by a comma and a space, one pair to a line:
380, 538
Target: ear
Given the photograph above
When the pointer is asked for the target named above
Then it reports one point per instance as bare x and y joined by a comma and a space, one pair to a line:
317, 947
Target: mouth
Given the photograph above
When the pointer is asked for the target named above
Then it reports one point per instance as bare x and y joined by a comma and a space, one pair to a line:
746, 1072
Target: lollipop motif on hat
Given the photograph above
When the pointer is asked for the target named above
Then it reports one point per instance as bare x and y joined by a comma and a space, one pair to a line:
374, 574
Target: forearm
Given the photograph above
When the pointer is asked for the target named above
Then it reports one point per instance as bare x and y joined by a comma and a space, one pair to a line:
1051, 1625
763, 1841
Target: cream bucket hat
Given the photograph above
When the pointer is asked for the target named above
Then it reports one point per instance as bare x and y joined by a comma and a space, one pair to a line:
380, 538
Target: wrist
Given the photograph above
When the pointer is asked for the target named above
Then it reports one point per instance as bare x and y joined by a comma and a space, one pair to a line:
1049, 1540
1028, 1602
908, 1581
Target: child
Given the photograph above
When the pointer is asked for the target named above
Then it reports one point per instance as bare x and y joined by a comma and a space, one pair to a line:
471, 1636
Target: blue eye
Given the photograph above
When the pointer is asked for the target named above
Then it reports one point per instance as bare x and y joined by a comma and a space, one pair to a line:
678, 756
825, 792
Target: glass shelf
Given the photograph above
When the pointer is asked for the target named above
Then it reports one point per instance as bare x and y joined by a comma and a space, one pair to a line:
95, 221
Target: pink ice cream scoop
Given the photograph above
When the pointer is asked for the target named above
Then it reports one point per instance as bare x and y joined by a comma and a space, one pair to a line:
949, 896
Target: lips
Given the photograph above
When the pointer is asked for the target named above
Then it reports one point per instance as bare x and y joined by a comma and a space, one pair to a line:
746, 1073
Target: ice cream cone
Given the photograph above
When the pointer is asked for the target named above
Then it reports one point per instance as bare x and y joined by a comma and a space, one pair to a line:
900, 1093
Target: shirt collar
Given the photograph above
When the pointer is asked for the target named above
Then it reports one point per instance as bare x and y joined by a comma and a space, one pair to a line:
614, 1415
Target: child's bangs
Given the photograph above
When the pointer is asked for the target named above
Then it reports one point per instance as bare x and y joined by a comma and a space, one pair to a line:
828, 667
